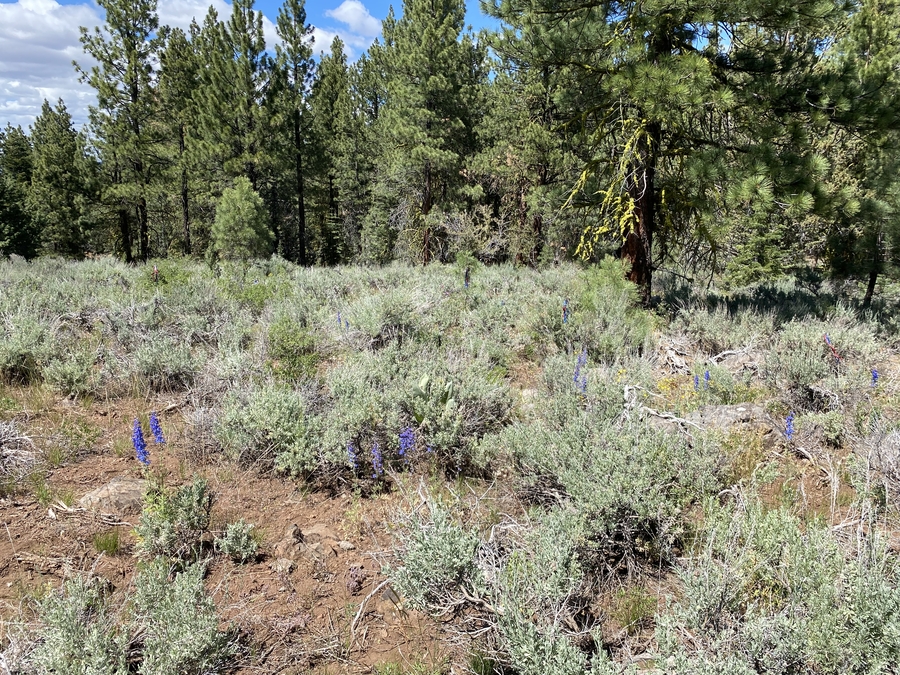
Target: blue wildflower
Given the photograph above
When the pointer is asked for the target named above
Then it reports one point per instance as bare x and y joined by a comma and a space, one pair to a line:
874, 377
377, 461
581, 363
706, 379
351, 456
566, 310
340, 323
156, 429
346, 325
407, 441
140, 445
696, 383
789, 426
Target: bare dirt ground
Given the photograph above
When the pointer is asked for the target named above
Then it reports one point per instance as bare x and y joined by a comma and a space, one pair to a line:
293, 606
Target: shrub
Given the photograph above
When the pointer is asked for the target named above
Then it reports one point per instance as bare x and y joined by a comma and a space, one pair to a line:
79, 636
238, 542
715, 330
767, 593
268, 426
240, 231
179, 622
164, 363
437, 557
26, 344
173, 521
292, 350
72, 374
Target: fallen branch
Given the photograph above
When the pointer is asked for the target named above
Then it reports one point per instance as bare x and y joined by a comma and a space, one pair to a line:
362, 605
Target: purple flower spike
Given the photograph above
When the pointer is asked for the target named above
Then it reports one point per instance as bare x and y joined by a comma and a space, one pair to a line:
407, 441
156, 429
140, 445
377, 462
789, 427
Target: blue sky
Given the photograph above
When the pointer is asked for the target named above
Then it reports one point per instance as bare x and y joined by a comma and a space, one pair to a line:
39, 41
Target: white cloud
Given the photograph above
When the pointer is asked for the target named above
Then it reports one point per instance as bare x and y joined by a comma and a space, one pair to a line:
357, 17
39, 41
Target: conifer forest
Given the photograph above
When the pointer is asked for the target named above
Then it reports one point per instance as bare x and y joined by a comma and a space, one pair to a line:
565, 347
731, 141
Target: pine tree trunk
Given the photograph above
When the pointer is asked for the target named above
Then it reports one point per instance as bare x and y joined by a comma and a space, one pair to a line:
144, 231
873, 273
185, 212
125, 232
426, 209
638, 246
301, 206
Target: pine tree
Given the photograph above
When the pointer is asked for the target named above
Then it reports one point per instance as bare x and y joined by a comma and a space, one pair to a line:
57, 196
294, 66
178, 79
527, 165
240, 231
18, 234
232, 100
687, 106
434, 76
864, 168
333, 126
122, 120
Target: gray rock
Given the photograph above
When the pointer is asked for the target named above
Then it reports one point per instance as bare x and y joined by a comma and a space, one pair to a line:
319, 533
291, 544
120, 495
283, 566
751, 415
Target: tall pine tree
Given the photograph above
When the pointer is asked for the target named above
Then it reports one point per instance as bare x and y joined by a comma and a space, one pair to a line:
57, 198
294, 67
126, 52
18, 234
694, 109
434, 75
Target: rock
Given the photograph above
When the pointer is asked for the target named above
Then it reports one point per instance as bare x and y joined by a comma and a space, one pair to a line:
283, 566
317, 533
317, 552
346, 546
290, 544
725, 417
120, 495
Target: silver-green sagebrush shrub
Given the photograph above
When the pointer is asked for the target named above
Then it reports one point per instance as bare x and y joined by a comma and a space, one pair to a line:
238, 542
437, 557
715, 330
164, 363
79, 635
73, 373
268, 426
27, 343
173, 521
767, 593
179, 623
388, 317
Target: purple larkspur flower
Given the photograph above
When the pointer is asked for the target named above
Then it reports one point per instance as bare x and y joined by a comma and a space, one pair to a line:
140, 445
407, 441
377, 462
789, 426
156, 429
